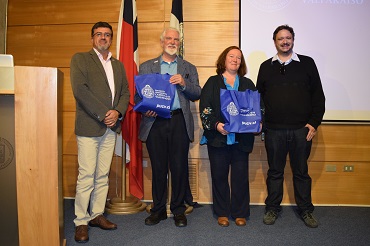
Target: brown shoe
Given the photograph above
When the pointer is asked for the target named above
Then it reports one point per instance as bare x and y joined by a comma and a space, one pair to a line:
103, 223
240, 221
81, 234
223, 221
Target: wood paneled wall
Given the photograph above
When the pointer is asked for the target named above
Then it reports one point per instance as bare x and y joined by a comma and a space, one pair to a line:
48, 33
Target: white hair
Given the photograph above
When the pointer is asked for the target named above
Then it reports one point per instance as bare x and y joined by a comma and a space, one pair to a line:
168, 29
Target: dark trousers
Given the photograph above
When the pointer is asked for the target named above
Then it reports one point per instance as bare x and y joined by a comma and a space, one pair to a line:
168, 147
188, 195
225, 203
278, 144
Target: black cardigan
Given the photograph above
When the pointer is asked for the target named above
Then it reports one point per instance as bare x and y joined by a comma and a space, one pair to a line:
210, 113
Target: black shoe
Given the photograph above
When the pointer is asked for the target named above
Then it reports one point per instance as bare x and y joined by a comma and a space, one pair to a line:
270, 217
180, 220
309, 220
195, 205
155, 218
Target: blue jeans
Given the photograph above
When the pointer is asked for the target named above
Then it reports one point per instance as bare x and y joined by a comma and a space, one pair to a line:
278, 144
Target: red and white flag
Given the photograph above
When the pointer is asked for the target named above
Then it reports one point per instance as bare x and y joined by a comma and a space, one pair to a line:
127, 53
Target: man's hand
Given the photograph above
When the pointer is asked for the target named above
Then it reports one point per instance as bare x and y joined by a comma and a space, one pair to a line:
111, 118
150, 113
177, 79
311, 132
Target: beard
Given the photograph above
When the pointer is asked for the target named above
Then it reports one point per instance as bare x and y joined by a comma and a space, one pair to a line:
171, 49
289, 50
103, 47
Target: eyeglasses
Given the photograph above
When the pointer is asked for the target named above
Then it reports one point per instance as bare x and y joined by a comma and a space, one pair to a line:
100, 34
282, 68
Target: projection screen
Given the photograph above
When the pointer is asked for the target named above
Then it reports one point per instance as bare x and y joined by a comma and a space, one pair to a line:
336, 34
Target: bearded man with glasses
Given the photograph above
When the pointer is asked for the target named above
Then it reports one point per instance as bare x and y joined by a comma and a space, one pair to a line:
100, 87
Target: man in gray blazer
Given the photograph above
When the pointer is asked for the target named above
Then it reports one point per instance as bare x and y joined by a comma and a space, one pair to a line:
168, 140
100, 88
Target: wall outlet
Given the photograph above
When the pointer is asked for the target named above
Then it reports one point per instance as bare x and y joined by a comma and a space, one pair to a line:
145, 163
348, 168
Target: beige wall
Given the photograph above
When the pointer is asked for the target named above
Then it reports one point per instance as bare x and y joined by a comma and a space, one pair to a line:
48, 33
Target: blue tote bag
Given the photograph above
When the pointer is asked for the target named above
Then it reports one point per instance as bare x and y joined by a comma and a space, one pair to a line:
157, 93
241, 110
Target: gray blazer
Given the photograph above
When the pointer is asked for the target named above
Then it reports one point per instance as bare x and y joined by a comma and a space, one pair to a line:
191, 93
93, 95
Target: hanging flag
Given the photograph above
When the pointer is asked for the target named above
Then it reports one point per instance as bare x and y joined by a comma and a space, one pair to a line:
127, 53
176, 21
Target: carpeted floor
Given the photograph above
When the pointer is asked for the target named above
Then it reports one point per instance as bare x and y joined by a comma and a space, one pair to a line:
338, 226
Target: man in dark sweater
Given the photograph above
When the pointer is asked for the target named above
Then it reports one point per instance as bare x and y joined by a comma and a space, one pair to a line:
291, 90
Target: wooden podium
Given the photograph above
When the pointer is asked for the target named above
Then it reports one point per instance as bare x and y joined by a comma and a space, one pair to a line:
38, 140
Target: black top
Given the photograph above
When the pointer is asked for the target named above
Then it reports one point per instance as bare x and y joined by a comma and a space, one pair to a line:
293, 95
210, 113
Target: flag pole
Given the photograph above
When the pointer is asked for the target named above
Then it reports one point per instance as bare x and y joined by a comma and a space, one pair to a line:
127, 44
124, 205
